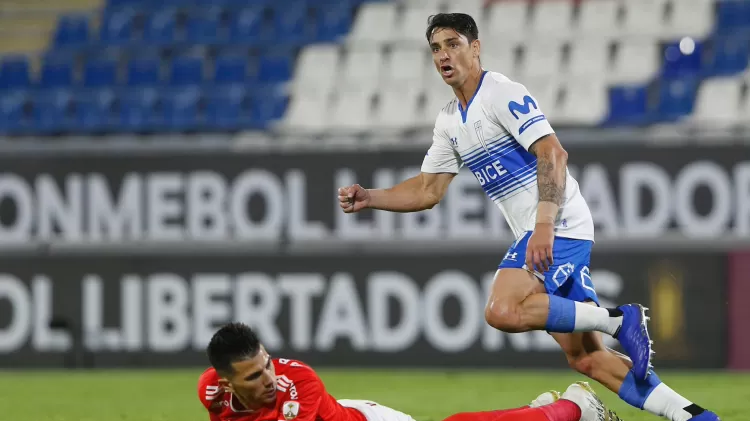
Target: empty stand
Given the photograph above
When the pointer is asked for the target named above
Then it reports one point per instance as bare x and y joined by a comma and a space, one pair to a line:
598, 18
552, 19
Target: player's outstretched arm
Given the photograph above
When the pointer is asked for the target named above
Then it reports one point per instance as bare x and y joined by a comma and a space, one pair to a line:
418, 193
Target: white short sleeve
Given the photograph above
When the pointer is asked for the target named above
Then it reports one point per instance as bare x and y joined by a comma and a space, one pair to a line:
519, 112
441, 157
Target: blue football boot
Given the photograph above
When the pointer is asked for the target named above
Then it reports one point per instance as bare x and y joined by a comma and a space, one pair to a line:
706, 416
633, 336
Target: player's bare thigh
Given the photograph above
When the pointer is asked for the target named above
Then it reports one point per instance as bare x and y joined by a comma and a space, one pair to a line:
510, 288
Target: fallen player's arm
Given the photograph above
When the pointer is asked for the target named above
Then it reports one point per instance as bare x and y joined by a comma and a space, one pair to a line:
552, 160
418, 193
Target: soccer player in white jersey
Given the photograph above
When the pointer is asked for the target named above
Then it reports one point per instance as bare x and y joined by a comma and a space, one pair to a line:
497, 128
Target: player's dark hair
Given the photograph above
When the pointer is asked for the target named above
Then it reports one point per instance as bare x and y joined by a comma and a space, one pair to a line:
459, 22
233, 342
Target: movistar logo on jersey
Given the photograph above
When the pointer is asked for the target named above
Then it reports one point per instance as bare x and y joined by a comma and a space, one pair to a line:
524, 108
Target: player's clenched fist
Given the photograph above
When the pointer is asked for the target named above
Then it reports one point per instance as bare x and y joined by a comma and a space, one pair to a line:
353, 198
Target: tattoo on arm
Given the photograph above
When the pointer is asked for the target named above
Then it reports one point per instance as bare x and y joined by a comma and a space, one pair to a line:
550, 178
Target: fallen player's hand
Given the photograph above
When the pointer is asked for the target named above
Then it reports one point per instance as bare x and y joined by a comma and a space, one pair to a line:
353, 198
539, 248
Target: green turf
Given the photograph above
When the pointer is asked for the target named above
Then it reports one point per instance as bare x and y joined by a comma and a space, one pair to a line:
427, 396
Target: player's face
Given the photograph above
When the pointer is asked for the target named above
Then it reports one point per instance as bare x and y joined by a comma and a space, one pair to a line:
454, 56
254, 380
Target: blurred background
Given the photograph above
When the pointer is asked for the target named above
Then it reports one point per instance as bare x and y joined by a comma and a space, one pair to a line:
169, 166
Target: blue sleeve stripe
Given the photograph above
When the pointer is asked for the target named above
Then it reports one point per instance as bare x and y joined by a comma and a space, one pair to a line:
525, 126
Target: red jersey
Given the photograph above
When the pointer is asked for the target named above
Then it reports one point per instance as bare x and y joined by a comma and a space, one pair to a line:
300, 396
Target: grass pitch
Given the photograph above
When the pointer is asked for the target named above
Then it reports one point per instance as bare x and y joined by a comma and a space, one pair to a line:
162, 395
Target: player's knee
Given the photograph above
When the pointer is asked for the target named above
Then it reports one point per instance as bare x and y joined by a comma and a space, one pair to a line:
503, 316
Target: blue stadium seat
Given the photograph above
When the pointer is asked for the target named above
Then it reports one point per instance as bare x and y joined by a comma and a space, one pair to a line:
181, 109
139, 110
95, 110
13, 117
72, 30
271, 108
51, 111
676, 98
733, 17
144, 71
333, 22
275, 68
227, 108
729, 56
14, 73
117, 27
204, 26
246, 26
186, 71
677, 63
291, 23
230, 68
627, 105
100, 72
57, 72
161, 27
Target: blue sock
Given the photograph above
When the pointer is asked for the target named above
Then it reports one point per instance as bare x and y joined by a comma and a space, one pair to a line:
636, 392
562, 315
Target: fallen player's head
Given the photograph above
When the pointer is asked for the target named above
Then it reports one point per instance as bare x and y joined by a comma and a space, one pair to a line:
243, 364
454, 41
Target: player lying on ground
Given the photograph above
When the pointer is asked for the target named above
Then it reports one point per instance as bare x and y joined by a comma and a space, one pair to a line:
245, 384
497, 128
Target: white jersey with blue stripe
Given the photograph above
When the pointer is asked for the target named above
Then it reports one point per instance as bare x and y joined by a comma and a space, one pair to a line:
492, 137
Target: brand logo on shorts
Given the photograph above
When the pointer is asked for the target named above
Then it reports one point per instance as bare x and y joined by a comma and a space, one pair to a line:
290, 409
511, 256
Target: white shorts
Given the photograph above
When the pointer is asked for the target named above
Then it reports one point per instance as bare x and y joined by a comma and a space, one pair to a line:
374, 411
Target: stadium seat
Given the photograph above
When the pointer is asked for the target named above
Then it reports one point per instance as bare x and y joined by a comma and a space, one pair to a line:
266, 112
635, 62
180, 109
161, 27
693, 19
95, 110
230, 68
361, 67
227, 108
598, 18
552, 19
100, 72
246, 27
14, 72
291, 24
506, 22
186, 71
411, 26
139, 110
589, 58
13, 117
351, 112
117, 27
644, 18
307, 113
729, 55
275, 67
682, 58
718, 102
541, 59
676, 98
583, 102
398, 107
51, 111
374, 23
628, 105
406, 64
72, 30
733, 17
204, 26
144, 71
333, 22
57, 72
316, 69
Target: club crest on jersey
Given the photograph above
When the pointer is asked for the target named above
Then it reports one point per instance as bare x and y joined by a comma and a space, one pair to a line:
480, 135
290, 409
